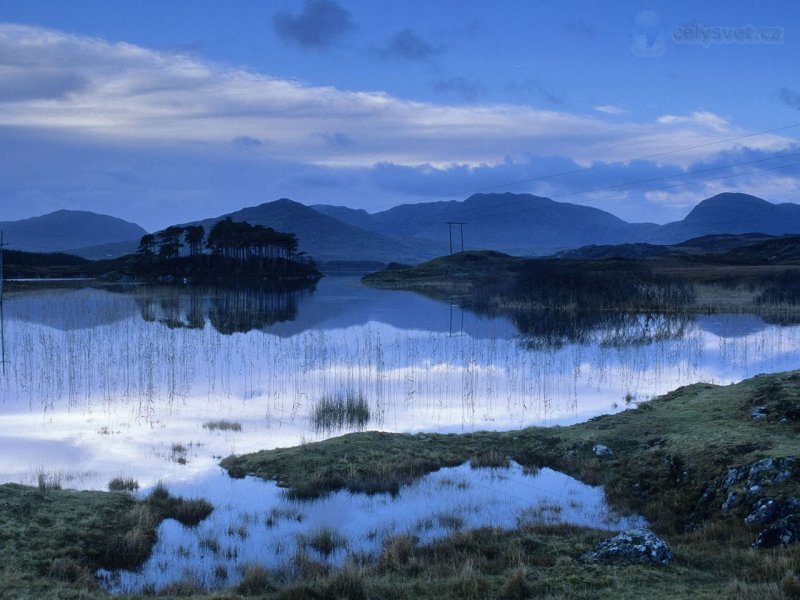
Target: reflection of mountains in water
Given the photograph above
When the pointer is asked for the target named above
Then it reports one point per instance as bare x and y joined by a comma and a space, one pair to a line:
68, 308
334, 303
342, 302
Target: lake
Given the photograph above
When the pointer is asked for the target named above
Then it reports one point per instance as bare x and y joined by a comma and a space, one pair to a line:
100, 384
158, 384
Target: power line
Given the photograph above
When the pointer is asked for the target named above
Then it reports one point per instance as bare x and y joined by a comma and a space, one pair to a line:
605, 165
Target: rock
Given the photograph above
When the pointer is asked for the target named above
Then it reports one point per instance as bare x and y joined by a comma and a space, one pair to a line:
781, 533
759, 412
746, 486
733, 476
730, 501
767, 510
634, 546
602, 450
769, 471
764, 511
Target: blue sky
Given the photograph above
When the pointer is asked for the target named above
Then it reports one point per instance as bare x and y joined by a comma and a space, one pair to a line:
160, 112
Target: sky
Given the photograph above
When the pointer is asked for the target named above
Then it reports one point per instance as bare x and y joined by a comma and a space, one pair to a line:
167, 111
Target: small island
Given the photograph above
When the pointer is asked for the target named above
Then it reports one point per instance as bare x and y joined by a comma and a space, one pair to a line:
232, 252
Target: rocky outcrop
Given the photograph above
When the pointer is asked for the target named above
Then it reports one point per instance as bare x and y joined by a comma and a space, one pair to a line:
634, 546
769, 510
783, 532
746, 490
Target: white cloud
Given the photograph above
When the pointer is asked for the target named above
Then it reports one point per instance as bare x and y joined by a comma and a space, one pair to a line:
87, 91
131, 94
610, 109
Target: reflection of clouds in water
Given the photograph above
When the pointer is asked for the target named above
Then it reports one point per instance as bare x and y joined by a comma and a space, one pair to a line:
123, 392
254, 522
22, 458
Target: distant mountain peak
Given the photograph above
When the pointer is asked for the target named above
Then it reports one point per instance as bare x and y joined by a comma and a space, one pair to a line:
510, 196
729, 202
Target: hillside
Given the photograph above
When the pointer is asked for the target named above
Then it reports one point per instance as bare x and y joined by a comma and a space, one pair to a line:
326, 238
65, 230
106, 251
517, 224
512, 223
523, 224
712, 244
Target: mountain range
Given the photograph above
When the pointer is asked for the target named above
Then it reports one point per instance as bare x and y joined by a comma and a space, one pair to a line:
520, 224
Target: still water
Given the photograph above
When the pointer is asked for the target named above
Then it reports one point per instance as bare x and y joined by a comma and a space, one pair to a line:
124, 382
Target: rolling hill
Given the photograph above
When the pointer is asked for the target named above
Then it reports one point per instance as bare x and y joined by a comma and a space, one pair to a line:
731, 213
511, 223
518, 224
66, 230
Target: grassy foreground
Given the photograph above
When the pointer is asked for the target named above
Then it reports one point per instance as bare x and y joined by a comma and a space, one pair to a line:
52, 540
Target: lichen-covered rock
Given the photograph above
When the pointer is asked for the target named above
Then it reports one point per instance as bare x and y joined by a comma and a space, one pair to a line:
764, 511
634, 546
743, 486
769, 471
731, 501
602, 450
781, 533
733, 476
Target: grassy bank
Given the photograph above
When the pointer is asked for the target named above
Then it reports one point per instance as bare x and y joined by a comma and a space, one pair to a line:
52, 541
497, 283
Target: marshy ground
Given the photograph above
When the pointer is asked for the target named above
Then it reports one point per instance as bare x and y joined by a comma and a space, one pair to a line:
664, 456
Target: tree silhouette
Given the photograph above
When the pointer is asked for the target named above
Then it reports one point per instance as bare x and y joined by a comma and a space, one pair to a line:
170, 242
147, 246
194, 235
242, 242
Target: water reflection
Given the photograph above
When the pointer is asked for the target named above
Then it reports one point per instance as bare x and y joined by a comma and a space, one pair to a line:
548, 328
228, 310
254, 523
121, 377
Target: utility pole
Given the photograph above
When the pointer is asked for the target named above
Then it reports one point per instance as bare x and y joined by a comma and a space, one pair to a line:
3, 359
2, 245
450, 230
2, 315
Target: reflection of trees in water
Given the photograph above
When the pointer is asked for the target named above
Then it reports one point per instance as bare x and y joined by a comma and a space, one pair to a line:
553, 328
239, 311
229, 310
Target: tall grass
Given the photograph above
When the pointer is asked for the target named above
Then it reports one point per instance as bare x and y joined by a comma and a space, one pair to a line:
222, 425
339, 411
326, 541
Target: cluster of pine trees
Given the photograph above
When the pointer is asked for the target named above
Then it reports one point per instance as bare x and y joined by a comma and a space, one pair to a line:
235, 241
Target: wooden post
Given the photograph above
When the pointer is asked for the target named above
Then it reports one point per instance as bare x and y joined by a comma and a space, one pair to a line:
450, 231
